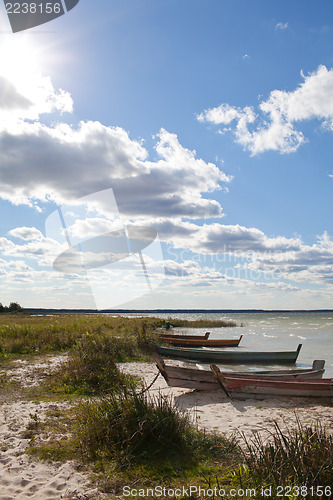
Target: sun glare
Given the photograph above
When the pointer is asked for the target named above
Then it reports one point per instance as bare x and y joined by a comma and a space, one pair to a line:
20, 60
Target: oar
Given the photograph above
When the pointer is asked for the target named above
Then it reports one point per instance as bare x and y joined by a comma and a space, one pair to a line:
215, 369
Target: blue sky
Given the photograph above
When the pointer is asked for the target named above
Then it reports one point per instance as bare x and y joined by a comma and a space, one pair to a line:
212, 123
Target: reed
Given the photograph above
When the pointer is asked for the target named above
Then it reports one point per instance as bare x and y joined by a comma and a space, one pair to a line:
91, 367
297, 457
27, 334
132, 428
42, 334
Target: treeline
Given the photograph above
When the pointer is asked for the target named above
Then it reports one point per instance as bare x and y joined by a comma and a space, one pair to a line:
13, 307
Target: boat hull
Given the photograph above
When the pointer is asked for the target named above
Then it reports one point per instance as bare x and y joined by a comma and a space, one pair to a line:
204, 380
242, 386
233, 357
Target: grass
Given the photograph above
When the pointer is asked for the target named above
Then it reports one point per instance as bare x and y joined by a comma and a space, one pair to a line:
23, 334
134, 427
202, 323
132, 438
131, 427
20, 335
91, 367
298, 457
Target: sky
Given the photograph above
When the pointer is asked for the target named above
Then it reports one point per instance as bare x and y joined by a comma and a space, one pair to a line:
191, 141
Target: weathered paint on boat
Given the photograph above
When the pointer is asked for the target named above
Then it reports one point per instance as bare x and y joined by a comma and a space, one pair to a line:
235, 386
167, 336
185, 342
204, 380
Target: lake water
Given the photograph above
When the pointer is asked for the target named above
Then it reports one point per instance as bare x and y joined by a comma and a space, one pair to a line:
269, 331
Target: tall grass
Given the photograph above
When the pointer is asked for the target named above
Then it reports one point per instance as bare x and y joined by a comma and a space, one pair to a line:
40, 334
132, 427
303, 456
91, 368
25, 334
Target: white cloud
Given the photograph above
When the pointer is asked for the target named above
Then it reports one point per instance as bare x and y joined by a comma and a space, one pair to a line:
10, 98
28, 98
281, 26
251, 249
40, 162
273, 126
217, 238
26, 233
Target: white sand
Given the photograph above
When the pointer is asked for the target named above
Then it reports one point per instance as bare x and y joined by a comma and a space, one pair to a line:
22, 477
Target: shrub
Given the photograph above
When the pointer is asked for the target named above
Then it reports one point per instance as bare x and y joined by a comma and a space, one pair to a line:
91, 367
129, 426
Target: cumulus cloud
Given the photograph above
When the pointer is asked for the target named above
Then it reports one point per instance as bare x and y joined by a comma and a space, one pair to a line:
10, 99
216, 238
273, 126
26, 233
313, 263
251, 249
29, 98
41, 162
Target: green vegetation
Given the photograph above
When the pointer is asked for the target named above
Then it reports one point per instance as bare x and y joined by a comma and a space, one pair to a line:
130, 438
91, 367
132, 427
27, 334
298, 457
21, 335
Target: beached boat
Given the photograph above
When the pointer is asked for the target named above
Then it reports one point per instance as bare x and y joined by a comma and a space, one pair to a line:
224, 356
236, 386
204, 380
171, 336
190, 342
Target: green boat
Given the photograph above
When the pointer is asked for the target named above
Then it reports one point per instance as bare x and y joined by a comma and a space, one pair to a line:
225, 356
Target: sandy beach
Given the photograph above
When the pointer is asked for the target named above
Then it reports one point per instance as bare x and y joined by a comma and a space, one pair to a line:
214, 412
23, 477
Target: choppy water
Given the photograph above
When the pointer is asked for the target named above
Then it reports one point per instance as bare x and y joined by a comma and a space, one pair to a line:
276, 331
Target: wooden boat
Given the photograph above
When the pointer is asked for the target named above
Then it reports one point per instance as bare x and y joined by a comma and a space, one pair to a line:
185, 342
224, 356
204, 380
237, 386
171, 336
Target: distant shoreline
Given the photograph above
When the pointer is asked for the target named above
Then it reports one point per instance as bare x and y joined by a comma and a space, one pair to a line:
172, 311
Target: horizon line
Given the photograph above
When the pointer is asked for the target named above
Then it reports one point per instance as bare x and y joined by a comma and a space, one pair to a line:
170, 310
